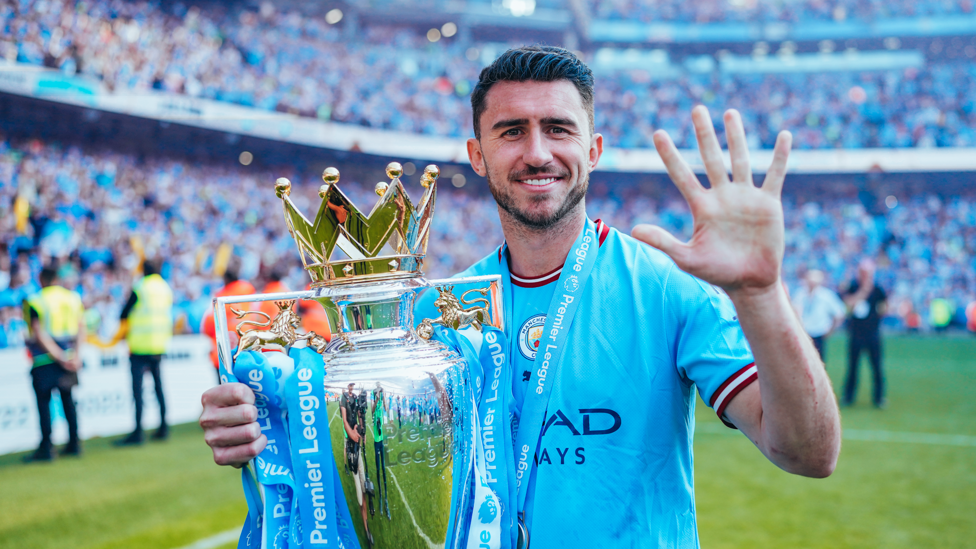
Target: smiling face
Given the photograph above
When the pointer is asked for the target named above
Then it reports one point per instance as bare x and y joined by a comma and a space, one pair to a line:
537, 150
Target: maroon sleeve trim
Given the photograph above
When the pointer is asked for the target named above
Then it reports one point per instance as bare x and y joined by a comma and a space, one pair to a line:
732, 387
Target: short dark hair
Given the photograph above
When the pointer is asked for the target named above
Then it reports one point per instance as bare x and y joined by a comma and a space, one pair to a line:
48, 274
151, 266
232, 271
533, 63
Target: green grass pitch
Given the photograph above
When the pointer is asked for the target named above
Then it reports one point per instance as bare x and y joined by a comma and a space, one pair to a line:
884, 493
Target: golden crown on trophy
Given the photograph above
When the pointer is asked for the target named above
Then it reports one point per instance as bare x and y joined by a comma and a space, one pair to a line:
365, 240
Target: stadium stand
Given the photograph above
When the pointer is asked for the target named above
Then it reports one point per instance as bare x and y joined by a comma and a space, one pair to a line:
290, 62
100, 211
713, 11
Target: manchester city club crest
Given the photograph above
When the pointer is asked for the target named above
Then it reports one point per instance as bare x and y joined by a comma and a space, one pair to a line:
530, 334
571, 284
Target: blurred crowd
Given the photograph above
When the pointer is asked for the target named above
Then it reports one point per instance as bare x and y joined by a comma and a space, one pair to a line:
934, 107
99, 214
287, 62
793, 11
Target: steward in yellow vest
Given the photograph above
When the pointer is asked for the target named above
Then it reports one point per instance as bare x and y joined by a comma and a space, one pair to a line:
147, 321
56, 326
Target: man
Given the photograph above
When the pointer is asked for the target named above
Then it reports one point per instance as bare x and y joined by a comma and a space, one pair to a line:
820, 310
233, 286
867, 303
355, 439
147, 323
613, 465
380, 412
56, 328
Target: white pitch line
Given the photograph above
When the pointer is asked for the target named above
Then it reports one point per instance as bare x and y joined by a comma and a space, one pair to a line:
333, 416
906, 437
215, 540
429, 542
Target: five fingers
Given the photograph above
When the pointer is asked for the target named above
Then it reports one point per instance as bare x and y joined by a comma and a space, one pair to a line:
712, 157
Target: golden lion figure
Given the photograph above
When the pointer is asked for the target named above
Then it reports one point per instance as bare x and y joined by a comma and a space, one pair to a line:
453, 313
281, 332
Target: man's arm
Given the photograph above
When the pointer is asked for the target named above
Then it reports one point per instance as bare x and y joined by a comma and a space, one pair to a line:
46, 342
738, 244
852, 298
838, 312
790, 414
74, 363
883, 303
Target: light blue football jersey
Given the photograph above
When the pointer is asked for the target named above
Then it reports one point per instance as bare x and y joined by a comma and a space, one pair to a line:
615, 457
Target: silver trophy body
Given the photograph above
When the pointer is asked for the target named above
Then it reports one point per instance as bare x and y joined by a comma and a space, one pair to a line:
394, 382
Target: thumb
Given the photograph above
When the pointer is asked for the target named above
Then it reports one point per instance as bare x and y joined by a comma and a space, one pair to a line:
656, 237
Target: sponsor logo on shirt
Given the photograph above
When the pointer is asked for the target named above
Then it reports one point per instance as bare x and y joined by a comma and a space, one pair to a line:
583, 422
530, 335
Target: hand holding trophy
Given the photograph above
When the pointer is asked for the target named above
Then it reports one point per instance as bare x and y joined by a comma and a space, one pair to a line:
407, 433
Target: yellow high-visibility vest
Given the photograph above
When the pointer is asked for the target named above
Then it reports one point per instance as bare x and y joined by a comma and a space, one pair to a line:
151, 320
59, 311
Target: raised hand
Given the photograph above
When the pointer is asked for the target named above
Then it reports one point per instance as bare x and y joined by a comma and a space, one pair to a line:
738, 238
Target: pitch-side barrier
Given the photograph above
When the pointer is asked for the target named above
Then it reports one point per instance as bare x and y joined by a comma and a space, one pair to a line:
104, 394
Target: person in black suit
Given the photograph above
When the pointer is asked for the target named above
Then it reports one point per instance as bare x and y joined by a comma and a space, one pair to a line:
866, 303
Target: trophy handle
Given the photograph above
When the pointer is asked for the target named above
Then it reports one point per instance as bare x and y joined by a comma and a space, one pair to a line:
480, 302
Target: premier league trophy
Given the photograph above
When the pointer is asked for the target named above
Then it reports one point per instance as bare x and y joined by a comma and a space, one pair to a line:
374, 436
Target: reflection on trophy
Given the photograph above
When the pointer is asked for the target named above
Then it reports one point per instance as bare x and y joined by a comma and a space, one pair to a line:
399, 401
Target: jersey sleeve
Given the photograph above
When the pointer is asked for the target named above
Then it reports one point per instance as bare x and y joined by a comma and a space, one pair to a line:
710, 349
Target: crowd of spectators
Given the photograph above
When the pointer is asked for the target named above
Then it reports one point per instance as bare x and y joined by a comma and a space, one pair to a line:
99, 213
301, 64
793, 11
934, 107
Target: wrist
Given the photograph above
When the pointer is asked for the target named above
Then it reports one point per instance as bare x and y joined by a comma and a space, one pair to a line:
756, 294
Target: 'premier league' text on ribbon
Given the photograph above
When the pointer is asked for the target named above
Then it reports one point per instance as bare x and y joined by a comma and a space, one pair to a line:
487, 428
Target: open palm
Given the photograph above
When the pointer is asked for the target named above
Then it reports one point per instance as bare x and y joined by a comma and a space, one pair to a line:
738, 237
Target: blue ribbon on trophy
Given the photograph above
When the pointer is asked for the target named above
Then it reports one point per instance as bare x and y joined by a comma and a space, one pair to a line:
461, 381
303, 503
273, 464
311, 453
483, 496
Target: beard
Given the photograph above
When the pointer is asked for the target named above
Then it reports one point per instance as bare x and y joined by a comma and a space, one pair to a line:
542, 219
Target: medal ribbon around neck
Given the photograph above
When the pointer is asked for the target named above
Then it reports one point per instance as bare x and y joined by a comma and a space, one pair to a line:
562, 309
